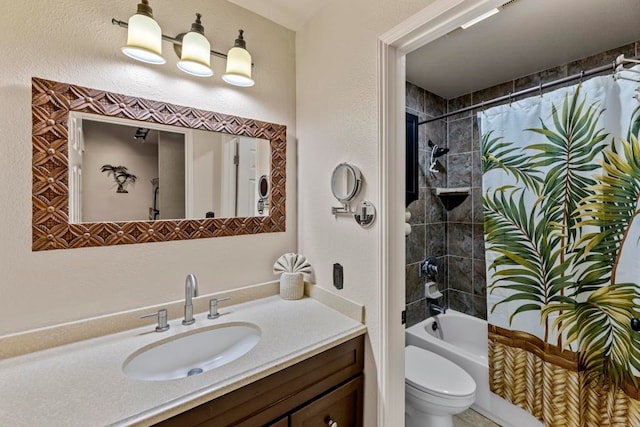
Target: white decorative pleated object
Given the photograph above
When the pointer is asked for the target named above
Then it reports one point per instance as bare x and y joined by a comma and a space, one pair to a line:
293, 268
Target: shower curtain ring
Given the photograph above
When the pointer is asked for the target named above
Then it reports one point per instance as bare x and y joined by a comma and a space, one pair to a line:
540, 89
510, 99
581, 76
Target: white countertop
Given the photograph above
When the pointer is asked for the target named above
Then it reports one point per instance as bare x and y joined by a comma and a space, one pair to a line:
82, 384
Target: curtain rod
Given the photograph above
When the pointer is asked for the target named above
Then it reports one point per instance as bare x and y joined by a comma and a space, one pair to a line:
538, 88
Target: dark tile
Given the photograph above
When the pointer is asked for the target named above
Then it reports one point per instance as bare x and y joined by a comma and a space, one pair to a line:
460, 274
460, 301
434, 131
462, 213
414, 97
456, 104
480, 307
415, 248
434, 209
535, 79
422, 131
435, 238
460, 134
478, 242
460, 239
417, 208
475, 137
493, 92
416, 312
459, 170
445, 297
414, 289
427, 178
434, 105
476, 169
478, 214
603, 58
442, 278
479, 278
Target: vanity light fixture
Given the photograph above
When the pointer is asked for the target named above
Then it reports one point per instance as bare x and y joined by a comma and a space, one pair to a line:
239, 64
144, 43
195, 58
144, 38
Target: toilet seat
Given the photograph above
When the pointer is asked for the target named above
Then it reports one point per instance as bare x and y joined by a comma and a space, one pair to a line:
434, 375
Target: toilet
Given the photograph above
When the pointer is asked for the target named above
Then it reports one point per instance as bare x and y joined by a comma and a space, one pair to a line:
435, 389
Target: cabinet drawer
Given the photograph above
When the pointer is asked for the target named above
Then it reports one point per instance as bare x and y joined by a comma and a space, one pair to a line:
270, 398
342, 406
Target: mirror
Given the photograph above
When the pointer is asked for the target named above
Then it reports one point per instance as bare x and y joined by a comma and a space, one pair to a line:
60, 192
345, 182
124, 170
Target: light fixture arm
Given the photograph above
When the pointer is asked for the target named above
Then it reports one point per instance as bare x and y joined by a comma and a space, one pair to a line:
174, 40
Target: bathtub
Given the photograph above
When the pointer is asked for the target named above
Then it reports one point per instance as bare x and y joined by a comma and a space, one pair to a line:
463, 340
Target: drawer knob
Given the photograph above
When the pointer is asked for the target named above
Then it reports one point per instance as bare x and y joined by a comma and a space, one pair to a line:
331, 423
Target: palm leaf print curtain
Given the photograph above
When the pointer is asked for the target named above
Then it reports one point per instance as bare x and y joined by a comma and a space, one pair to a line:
561, 188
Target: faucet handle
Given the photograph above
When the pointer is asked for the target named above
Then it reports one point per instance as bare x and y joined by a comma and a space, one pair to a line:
213, 307
162, 319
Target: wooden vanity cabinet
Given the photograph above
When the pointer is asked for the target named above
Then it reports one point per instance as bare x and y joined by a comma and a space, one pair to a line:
325, 388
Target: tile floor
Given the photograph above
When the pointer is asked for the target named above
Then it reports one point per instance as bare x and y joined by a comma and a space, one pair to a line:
471, 418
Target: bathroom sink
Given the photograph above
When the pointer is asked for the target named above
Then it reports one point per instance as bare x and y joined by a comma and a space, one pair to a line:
192, 353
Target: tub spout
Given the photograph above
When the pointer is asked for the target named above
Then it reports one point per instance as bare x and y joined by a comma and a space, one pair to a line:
435, 309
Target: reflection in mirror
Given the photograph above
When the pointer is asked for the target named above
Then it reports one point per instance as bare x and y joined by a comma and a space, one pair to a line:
177, 173
263, 194
59, 219
345, 182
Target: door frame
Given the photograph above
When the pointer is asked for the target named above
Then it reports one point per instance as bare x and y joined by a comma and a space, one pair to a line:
434, 21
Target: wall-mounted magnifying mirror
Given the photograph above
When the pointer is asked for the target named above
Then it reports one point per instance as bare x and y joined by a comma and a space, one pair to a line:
263, 186
263, 194
346, 181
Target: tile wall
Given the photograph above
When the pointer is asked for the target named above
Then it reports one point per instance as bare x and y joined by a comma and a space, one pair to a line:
428, 217
455, 237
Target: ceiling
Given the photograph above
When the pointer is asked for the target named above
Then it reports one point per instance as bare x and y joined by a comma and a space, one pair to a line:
291, 14
527, 36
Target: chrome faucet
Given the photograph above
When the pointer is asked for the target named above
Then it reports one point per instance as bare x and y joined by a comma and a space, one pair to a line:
190, 291
437, 309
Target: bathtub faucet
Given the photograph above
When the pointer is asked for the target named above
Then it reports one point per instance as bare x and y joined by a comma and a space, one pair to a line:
429, 267
435, 309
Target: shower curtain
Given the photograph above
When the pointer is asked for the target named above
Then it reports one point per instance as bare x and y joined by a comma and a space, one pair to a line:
561, 187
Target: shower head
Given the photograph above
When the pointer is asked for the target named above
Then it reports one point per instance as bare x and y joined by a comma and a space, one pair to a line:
437, 150
141, 133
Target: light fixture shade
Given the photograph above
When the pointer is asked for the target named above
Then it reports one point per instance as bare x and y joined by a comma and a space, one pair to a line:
195, 58
144, 38
239, 64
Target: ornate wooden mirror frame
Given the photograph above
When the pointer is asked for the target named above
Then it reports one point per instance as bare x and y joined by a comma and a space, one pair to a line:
51, 103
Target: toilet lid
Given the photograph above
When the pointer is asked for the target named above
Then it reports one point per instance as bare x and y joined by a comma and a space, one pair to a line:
433, 374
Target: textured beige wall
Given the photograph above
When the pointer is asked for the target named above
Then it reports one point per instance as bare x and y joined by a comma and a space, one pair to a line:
109, 144
75, 42
336, 54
